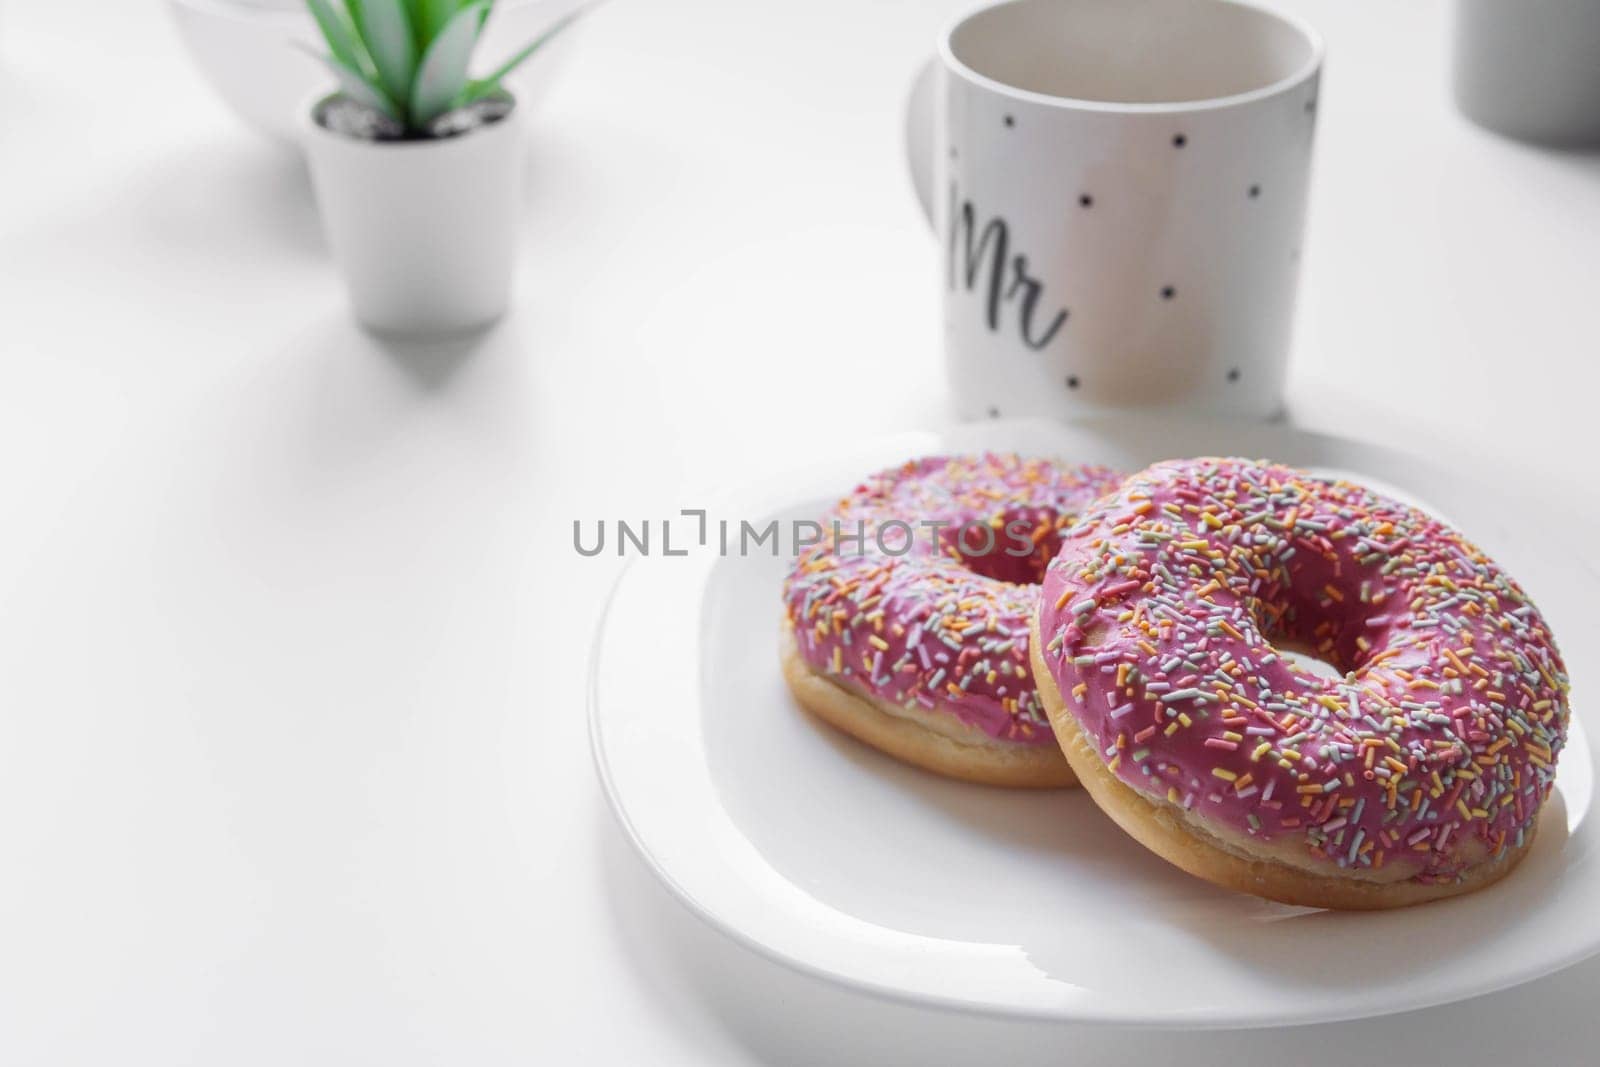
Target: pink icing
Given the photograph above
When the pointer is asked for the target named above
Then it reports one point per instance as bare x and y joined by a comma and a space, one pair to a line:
1158, 616
936, 616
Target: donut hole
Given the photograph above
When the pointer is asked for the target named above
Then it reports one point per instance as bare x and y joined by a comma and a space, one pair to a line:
1014, 547
1321, 635
1308, 662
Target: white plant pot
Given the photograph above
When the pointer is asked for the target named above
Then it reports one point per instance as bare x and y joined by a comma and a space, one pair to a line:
425, 232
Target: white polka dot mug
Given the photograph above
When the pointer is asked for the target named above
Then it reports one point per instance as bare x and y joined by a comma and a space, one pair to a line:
1119, 188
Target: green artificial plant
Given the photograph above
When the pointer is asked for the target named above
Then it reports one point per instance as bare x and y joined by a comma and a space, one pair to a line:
409, 58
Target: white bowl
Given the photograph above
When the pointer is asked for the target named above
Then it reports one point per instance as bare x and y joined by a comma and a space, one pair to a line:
245, 51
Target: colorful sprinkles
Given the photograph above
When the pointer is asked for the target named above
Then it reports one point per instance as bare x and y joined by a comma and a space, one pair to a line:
935, 615
1435, 749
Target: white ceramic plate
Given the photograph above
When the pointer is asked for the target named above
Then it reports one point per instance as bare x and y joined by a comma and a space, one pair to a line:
826, 856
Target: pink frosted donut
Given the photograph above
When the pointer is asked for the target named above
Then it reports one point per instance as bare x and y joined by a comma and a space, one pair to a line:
908, 624
1418, 774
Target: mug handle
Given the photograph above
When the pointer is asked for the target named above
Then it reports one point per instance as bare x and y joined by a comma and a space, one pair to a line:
919, 132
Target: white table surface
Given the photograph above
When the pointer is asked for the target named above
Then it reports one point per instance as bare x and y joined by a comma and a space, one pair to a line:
293, 763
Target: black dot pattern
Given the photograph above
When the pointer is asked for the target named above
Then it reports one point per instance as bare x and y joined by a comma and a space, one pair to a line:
1167, 292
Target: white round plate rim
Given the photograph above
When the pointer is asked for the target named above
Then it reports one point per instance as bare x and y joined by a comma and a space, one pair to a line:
655, 774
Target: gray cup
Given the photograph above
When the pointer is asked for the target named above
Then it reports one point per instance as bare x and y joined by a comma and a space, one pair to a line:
1530, 69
